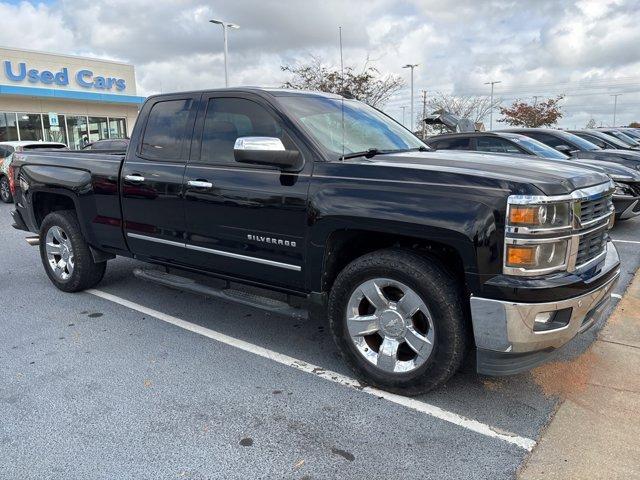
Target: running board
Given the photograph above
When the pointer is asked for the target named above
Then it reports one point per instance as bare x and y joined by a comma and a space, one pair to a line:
33, 241
225, 294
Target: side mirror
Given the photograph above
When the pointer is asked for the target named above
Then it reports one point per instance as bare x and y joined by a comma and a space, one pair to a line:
266, 151
566, 149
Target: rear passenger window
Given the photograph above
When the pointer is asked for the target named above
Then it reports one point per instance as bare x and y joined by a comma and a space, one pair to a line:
497, 145
229, 118
452, 144
165, 136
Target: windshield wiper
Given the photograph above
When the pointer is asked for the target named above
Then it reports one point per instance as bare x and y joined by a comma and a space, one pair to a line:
372, 152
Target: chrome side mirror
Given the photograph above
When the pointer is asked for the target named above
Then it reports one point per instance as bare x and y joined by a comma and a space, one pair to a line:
268, 151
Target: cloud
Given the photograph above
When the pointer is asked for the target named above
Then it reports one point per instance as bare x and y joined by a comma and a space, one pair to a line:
586, 49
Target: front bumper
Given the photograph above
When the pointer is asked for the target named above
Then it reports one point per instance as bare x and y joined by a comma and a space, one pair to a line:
627, 206
506, 340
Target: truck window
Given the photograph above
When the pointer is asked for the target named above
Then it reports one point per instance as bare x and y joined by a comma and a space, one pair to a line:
229, 118
497, 145
165, 135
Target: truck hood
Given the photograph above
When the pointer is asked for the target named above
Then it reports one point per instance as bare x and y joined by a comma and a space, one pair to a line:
549, 176
628, 158
617, 171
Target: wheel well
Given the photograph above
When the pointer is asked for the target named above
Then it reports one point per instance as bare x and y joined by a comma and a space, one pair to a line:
344, 246
44, 203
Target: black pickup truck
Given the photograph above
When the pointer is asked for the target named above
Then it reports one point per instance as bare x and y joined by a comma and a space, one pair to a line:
417, 257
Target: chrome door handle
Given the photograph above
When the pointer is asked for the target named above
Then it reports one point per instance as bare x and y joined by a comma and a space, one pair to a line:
199, 184
134, 178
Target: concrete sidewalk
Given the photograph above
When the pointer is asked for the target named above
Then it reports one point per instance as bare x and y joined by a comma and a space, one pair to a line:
596, 432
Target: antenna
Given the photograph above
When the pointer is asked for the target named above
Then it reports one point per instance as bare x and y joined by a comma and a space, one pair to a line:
342, 86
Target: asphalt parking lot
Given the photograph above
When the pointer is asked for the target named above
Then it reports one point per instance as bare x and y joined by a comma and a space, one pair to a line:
92, 388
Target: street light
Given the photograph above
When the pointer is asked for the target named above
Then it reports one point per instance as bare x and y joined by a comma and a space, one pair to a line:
403, 107
225, 25
615, 107
411, 66
491, 103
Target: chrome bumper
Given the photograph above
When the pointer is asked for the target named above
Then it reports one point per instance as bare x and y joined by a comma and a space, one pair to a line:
508, 327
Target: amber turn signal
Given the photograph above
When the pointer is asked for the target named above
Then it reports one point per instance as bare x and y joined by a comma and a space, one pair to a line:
521, 215
520, 256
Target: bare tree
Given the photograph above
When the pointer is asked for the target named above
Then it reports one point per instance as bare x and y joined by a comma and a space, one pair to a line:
368, 85
475, 108
591, 123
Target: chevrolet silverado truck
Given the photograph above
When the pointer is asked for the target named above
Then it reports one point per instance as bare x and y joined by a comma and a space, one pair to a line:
416, 257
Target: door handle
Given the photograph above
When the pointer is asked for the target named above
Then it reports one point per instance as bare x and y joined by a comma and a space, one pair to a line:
199, 184
135, 178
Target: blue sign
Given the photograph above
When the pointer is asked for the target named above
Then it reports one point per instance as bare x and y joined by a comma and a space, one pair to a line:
84, 78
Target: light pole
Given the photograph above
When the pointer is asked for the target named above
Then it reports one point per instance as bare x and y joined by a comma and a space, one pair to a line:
404, 107
411, 66
225, 25
491, 103
615, 107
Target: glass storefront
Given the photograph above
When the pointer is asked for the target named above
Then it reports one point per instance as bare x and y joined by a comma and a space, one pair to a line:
55, 133
8, 127
30, 126
74, 130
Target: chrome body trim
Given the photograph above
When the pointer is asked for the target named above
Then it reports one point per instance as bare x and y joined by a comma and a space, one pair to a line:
628, 212
588, 193
212, 251
508, 326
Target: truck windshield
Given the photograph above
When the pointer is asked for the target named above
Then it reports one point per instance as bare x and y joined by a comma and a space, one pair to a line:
365, 128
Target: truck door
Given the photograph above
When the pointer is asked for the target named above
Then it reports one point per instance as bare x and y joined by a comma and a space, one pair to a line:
152, 178
245, 221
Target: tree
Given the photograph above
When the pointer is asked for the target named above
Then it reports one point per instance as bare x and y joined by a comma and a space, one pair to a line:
472, 107
634, 124
591, 123
367, 85
538, 114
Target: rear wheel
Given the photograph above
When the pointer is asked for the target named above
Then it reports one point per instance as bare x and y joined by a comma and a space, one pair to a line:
397, 319
5, 190
65, 254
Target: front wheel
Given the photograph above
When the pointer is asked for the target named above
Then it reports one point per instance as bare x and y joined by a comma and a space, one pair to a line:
398, 321
65, 254
5, 190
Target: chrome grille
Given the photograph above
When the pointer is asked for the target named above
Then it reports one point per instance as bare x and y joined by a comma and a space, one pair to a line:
596, 208
591, 245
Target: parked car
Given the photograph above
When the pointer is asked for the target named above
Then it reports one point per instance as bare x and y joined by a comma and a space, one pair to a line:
631, 131
113, 144
623, 136
626, 198
603, 140
413, 254
7, 150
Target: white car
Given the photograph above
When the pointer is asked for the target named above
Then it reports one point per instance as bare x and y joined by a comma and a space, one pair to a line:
7, 149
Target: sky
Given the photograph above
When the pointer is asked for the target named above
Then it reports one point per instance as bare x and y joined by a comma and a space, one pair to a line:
587, 50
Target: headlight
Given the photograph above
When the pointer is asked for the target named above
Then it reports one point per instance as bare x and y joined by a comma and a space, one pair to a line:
548, 215
537, 256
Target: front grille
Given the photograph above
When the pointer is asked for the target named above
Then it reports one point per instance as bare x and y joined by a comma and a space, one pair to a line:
592, 209
591, 245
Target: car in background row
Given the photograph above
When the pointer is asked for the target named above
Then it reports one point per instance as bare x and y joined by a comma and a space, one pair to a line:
602, 140
622, 136
630, 131
626, 198
7, 149
112, 144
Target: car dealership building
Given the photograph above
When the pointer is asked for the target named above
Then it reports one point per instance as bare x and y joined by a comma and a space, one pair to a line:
64, 98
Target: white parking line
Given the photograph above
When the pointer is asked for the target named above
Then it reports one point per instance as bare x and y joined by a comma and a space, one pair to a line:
432, 410
627, 241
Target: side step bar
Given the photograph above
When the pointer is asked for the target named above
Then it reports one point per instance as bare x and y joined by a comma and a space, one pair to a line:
33, 241
225, 294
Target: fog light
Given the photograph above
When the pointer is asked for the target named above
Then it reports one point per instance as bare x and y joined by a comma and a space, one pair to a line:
543, 317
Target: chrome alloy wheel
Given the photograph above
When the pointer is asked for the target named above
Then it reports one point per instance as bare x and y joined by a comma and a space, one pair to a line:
390, 325
59, 253
5, 190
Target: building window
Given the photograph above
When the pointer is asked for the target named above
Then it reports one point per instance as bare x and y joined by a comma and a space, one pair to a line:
98, 128
30, 125
8, 127
54, 133
117, 128
77, 130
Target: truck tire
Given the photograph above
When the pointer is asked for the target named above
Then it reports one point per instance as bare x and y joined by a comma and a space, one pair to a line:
5, 190
398, 321
65, 254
